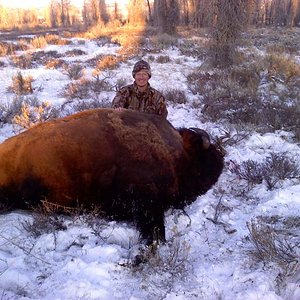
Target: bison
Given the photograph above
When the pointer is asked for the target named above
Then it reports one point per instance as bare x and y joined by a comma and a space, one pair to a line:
134, 166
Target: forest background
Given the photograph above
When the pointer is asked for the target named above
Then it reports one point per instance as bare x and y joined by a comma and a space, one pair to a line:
164, 14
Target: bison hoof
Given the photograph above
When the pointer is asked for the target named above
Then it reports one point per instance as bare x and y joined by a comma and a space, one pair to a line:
139, 259
146, 252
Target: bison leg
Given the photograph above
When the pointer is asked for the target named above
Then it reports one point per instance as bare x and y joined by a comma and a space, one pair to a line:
149, 219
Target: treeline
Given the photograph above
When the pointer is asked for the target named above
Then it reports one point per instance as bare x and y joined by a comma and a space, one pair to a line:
164, 14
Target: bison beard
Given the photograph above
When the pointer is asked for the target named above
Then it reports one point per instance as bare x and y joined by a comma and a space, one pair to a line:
134, 166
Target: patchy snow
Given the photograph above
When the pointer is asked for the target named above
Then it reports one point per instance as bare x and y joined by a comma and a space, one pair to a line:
201, 260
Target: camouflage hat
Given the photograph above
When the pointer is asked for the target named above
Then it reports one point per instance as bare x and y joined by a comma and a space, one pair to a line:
141, 65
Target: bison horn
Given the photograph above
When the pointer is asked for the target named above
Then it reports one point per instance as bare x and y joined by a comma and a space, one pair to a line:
204, 135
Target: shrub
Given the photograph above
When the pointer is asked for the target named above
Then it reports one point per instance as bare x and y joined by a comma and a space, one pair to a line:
10, 109
282, 68
175, 96
34, 114
39, 42
42, 57
170, 262
54, 39
120, 83
163, 41
162, 59
25, 111
77, 90
55, 64
72, 106
107, 62
130, 43
7, 48
279, 246
100, 83
74, 71
44, 222
21, 85
274, 169
250, 95
249, 170
75, 52
193, 48
88, 88
22, 61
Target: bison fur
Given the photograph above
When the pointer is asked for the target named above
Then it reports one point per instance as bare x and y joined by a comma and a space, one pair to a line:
134, 166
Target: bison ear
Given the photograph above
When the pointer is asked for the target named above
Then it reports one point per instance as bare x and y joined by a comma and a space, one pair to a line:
194, 139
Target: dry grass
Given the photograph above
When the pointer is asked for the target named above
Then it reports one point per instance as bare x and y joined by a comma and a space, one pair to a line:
21, 85
25, 111
263, 94
53, 39
24, 61
7, 48
39, 42
160, 267
75, 52
107, 62
55, 64
74, 71
88, 88
44, 222
275, 245
163, 41
282, 68
34, 114
175, 96
272, 171
163, 59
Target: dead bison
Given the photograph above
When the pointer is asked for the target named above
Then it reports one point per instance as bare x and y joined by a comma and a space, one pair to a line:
134, 166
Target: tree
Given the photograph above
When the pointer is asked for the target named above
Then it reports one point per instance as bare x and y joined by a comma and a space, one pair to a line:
166, 15
137, 12
104, 16
64, 12
53, 13
293, 8
150, 18
227, 24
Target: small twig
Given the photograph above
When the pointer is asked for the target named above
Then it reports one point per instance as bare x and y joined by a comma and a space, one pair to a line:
24, 250
216, 217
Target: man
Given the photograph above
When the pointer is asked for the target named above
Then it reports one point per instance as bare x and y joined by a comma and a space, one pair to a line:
140, 95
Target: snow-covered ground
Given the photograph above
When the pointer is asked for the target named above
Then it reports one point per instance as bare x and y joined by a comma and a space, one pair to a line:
208, 253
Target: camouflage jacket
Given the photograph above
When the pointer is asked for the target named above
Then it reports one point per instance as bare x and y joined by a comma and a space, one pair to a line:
150, 101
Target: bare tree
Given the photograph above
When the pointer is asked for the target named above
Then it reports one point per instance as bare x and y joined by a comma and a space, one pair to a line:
166, 14
104, 16
137, 12
293, 8
227, 25
53, 13
95, 11
64, 6
150, 17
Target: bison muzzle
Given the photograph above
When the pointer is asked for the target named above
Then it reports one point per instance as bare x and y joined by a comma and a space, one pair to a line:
133, 166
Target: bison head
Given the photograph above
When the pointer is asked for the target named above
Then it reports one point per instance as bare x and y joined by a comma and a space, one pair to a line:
201, 168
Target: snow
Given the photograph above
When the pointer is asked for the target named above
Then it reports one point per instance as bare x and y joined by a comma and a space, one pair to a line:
201, 259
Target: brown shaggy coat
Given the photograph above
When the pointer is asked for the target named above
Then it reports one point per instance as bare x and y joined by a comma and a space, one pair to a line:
132, 165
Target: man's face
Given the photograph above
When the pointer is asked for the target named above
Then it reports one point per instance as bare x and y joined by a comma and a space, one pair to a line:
141, 78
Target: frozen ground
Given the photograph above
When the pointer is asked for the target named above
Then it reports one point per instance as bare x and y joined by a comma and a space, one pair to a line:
201, 260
